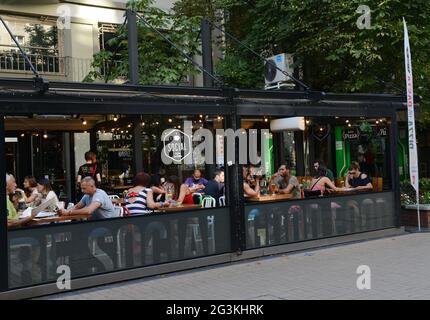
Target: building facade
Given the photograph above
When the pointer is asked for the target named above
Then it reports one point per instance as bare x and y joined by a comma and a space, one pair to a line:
58, 53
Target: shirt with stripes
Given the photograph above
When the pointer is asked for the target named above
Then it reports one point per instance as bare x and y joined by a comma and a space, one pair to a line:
139, 206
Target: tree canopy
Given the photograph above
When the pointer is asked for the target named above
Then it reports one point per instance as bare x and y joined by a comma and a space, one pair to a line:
332, 52
159, 62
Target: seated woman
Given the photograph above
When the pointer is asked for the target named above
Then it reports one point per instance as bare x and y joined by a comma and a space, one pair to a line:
30, 190
159, 193
180, 192
356, 179
140, 199
45, 192
321, 181
247, 189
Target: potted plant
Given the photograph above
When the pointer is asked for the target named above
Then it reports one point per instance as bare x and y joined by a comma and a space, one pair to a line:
409, 206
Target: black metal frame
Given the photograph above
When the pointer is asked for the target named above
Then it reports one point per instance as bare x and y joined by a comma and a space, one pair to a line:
86, 98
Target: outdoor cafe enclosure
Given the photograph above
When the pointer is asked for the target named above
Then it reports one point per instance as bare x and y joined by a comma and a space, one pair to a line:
46, 135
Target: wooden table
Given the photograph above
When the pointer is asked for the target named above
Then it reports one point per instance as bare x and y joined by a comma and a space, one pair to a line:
39, 221
183, 207
349, 191
269, 197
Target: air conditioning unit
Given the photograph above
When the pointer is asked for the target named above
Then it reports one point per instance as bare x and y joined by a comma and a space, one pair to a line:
272, 74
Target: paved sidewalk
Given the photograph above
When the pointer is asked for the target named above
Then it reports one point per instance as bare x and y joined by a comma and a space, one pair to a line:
400, 269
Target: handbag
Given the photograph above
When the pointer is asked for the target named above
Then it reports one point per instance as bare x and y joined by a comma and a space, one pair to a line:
309, 193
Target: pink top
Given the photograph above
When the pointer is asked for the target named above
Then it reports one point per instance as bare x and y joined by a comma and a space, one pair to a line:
316, 186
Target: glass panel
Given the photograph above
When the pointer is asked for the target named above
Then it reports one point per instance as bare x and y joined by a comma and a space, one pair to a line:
104, 246
106, 147
284, 222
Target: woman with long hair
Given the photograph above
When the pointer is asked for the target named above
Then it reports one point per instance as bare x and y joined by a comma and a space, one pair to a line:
45, 190
30, 189
181, 192
320, 181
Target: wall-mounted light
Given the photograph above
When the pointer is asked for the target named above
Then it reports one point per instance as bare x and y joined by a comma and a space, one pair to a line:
265, 119
170, 120
115, 118
349, 125
308, 122
377, 121
45, 135
143, 124
84, 122
346, 121
22, 135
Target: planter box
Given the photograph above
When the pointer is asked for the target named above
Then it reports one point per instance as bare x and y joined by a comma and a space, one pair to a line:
409, 217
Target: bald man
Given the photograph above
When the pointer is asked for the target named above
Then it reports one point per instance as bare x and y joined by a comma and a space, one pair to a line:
95, 203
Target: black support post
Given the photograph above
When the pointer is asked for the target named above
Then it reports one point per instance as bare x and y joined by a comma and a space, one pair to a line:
207, 80
300, 152
207, 52
137, 145
234, 193
4, 263
133, 61
394, 136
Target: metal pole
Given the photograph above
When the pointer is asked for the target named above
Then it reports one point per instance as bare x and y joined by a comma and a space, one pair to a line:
207, 52
207, 80
395, 167
4, 261
234, 191
133, 61
137, 145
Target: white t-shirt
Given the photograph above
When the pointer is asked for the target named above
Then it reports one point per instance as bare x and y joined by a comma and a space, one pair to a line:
51, 195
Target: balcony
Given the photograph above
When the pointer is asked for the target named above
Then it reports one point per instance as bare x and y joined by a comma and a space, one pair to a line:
47, 63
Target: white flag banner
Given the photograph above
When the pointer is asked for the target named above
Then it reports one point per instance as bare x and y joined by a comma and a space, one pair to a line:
413, 154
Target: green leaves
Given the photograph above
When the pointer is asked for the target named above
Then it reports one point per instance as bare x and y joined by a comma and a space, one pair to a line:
159, 62
336, 55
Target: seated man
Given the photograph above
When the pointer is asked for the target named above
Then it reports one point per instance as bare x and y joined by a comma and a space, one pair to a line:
196, 182
215, 187
286, 182
95, 203
356, 179
12, 215
329, 174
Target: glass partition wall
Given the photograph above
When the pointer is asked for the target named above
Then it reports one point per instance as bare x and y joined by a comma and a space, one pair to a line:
299, 178
332, 176
46, 153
